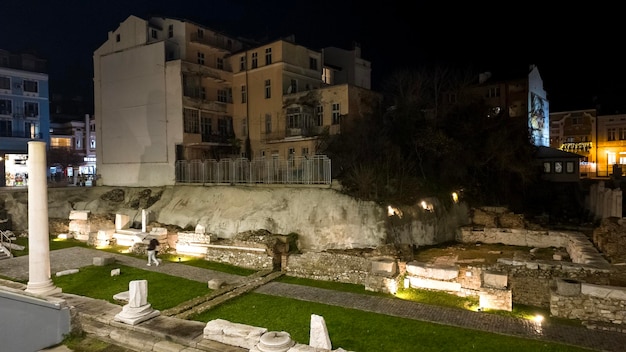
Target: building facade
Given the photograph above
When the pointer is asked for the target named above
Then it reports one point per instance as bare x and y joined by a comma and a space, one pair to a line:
24, 112
73, 148
575, 132
167, 90
517, 95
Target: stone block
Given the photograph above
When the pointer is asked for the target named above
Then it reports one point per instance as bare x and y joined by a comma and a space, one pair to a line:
115, 272
122, 296
215, 284
567, 287
235, 334
122, 221
79, 214
434, 284
67, 272
431, 271
318, 335
102, 261
386, 267
495, 279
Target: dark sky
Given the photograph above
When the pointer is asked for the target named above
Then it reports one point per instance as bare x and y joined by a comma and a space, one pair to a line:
577, 50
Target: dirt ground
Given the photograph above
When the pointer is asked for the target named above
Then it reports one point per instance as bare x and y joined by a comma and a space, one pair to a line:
466, 253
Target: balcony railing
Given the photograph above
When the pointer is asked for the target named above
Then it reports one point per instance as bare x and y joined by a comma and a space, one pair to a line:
297, 170
13, 134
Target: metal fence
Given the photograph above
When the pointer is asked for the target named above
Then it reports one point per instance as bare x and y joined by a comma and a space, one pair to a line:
297, 170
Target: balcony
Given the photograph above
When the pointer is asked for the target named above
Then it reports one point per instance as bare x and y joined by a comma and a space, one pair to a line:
205, 39
304, 132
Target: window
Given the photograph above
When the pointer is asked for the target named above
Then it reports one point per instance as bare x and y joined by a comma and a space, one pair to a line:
201, 58
170, 31
622, 133
6, 107
558, 167
191, 120
31, 109
5, 83
319, 115
222, 95
313, 63
294, 118
268, 123
547, 167
220, 63
577, 121
610, 158
336, 115
222, 126
268, 89
305, 151
569, 167
200, 33
153, 33
293, 86
31, 86
255, 60
610, 134
78, 143
268, 56
118, 38
32, 130
244, 94
92, 143
493, 92
206, 125
244, 126
292, 152
6, 129
202, 93
242, 63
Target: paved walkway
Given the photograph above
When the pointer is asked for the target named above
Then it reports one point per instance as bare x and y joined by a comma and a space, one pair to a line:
598, 340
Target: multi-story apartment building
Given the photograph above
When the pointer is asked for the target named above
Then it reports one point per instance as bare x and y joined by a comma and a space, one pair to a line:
168, 89
24, 112
610, 141
600, 140
575, 132
518, 95
76, 138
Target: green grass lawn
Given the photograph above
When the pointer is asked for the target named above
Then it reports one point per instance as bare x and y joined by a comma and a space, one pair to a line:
164, 291
350, 329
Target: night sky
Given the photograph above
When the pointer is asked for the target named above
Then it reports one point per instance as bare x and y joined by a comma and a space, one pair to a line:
577, 50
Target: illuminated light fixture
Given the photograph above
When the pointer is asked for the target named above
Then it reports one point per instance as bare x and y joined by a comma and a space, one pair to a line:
179, 259
391, 211
426, 206
455, 197
538, 318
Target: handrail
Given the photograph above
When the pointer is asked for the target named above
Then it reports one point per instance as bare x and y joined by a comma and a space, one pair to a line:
6, 237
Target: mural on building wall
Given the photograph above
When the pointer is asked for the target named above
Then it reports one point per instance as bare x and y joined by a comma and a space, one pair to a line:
538, 121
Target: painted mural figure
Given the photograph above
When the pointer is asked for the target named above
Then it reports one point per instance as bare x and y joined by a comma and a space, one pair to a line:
537, 119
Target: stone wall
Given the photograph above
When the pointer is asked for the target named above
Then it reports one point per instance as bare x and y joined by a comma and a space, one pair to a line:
328, 267
572, 299
257, 260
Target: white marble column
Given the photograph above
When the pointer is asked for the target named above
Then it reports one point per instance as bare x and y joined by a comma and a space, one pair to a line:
39, 281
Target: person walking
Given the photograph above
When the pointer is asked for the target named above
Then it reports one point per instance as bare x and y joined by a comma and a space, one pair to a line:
152, 252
